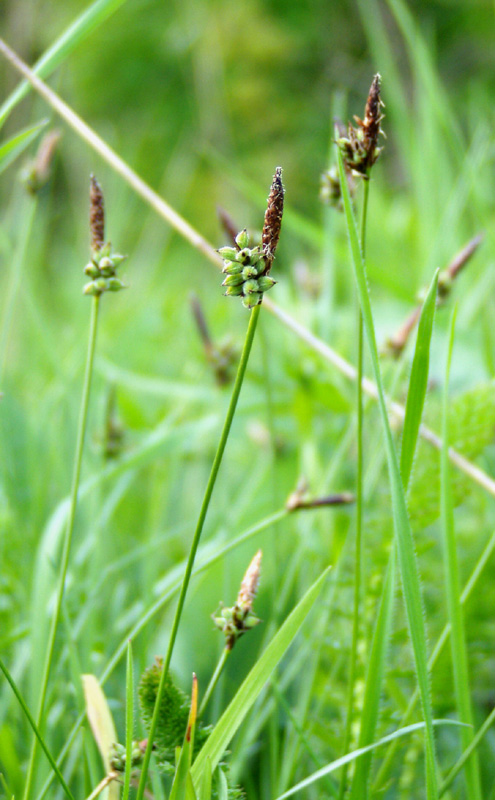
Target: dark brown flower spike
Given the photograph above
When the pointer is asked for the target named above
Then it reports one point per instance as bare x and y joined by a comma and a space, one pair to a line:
96, 216
273, 219
360, 146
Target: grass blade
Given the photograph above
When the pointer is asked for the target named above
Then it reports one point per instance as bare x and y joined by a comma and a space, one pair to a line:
36, 730
340, 762
374, 681
129, 721
17, 144
418, 383
453, 592
80, 29
405, 545
231, 719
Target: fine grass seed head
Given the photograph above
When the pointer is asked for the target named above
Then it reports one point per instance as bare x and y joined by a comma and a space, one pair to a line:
247, 268
360, 147
237, 620
102, 268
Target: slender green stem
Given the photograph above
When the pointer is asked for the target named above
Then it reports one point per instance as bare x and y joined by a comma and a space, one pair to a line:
358, 561
197, 535
214, 680
468, 752
81, 431
129, 722
36, 730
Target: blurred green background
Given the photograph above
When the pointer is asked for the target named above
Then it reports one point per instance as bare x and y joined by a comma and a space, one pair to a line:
204, 100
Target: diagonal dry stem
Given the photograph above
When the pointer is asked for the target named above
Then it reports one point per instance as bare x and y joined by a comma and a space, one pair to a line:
186, 230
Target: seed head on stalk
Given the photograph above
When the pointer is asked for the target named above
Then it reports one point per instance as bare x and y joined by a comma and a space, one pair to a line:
247, 268
360, 147
237, 620
102, 269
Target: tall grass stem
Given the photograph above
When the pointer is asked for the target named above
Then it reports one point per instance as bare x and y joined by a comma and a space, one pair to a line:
253, 321
81, 432
358, 560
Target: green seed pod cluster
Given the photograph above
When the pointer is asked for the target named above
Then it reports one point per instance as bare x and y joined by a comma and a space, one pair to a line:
102, 269
118, 756
245, 269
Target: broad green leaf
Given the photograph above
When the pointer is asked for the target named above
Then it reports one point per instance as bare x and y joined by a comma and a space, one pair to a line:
418, 383
18, 143
405, 546
79, 30
233, 716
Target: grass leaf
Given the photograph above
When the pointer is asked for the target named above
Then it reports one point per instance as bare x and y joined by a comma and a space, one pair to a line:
418, 383
245, 697
405, 545
13, 148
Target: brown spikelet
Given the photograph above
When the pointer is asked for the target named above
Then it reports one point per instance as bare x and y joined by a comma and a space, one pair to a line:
96, 215
273, 218
249, 585
371, 124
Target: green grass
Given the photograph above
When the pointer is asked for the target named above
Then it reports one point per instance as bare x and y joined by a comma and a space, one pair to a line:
176, 111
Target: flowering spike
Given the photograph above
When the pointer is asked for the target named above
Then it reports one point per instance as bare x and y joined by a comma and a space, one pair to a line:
273, 218
96, 216
235, 621
360, 147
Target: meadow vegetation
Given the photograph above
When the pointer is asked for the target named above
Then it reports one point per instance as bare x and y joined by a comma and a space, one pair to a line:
246, 542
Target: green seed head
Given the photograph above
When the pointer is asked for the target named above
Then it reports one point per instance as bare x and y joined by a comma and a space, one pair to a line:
91, 270
228, 253
115, 285
251, 300
234, 291
244, 256
233, 280
265, 283
242, 239
250, 287
249, 272
232, 267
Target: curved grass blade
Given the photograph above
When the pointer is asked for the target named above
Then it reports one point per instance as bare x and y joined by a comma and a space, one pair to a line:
340, 762
36, 730
79, 30
376, 669
405, 545
18, 143
129, 721
231, 719
418, 383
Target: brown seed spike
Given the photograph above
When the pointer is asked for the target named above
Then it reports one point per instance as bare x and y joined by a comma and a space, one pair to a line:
372, 119
249, 585
273, 219
96, 215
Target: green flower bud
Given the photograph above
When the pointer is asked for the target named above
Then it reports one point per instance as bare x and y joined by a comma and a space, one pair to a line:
244, 256
91, 289
242, 239
251, 300
232, 267
256, 255
234, 291
265, 283
228, 253
115, 285
117, 259
105, 263
250, 287
249, 272
233, 280
101, 284
91, 270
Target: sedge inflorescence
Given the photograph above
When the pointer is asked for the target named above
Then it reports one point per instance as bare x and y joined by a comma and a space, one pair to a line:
102, 269
247, 268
